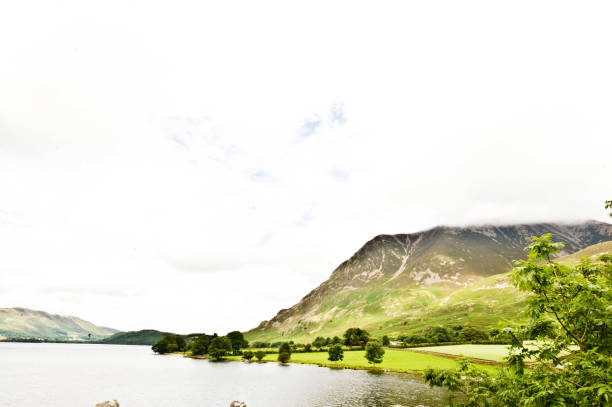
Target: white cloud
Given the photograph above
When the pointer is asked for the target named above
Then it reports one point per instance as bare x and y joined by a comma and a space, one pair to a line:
197, 166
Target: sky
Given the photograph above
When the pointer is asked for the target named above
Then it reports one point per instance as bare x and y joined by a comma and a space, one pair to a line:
197, 166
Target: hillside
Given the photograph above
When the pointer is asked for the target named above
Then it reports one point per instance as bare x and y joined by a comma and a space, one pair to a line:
143, 337
591, 252
27, 323
402, 283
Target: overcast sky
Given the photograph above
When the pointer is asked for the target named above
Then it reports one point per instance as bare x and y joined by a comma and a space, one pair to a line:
189, 166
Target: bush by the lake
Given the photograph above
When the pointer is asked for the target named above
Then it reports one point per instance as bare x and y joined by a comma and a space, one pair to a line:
284, 357
567, 339
168, 344
284, 353
335, 352
238, 341
260, 354
220, 347
200, 345
247, 355
374, 352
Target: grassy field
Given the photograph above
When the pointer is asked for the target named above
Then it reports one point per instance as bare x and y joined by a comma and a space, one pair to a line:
489, 352
394, 360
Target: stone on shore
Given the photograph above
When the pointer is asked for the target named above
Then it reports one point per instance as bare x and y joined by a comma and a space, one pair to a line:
108, 404
238, 404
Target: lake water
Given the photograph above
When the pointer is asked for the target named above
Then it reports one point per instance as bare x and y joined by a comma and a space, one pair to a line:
66, 375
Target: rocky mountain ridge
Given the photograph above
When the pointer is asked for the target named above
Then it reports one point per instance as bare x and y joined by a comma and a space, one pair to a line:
442, 259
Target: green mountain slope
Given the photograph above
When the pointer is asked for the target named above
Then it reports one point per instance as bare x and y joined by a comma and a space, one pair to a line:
143, 337
27, 323
403, 283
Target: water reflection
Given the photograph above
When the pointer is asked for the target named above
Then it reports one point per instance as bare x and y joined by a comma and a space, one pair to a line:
54, 375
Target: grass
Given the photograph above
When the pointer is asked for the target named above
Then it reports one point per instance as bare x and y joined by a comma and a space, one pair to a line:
496, 353
406, 311
394, 361
592, 252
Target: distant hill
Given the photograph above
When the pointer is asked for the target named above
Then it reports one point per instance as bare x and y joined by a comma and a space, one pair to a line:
143, 337
403, 283
591, 252
27, 323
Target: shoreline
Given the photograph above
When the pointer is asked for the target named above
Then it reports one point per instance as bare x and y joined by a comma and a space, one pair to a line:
397, 363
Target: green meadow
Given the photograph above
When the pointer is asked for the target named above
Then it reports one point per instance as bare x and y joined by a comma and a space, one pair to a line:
394, 361
495, 353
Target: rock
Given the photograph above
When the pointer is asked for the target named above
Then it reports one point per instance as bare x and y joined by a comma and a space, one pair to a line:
237, 404
108, 404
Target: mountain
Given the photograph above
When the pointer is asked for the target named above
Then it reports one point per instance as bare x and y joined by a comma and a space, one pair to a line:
27, 323
403, 283
142, 337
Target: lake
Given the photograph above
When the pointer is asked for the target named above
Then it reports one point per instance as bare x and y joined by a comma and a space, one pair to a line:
70, 375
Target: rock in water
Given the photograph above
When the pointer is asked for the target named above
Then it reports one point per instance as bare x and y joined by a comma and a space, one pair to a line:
238, 404
108, 404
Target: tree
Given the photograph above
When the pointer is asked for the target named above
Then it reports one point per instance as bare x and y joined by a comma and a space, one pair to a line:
308, 348
336, 339
261, 344
319, 342
356, 337
386, 341
169, 343
469, 334
374, 352
335, 352
415, 339
238, 341
161, 346
571, 324
200, 345
219, 347
609, 206
284, 357
438, 334
247, 355
284, 353
260, 354
180, 342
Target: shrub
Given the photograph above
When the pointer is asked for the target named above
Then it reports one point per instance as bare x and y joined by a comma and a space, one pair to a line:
356, 337
469, 334
259, 345
200, 345
247, 355
335, 352
319, 342
284, 357
260, 354
219, 347
374, 352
